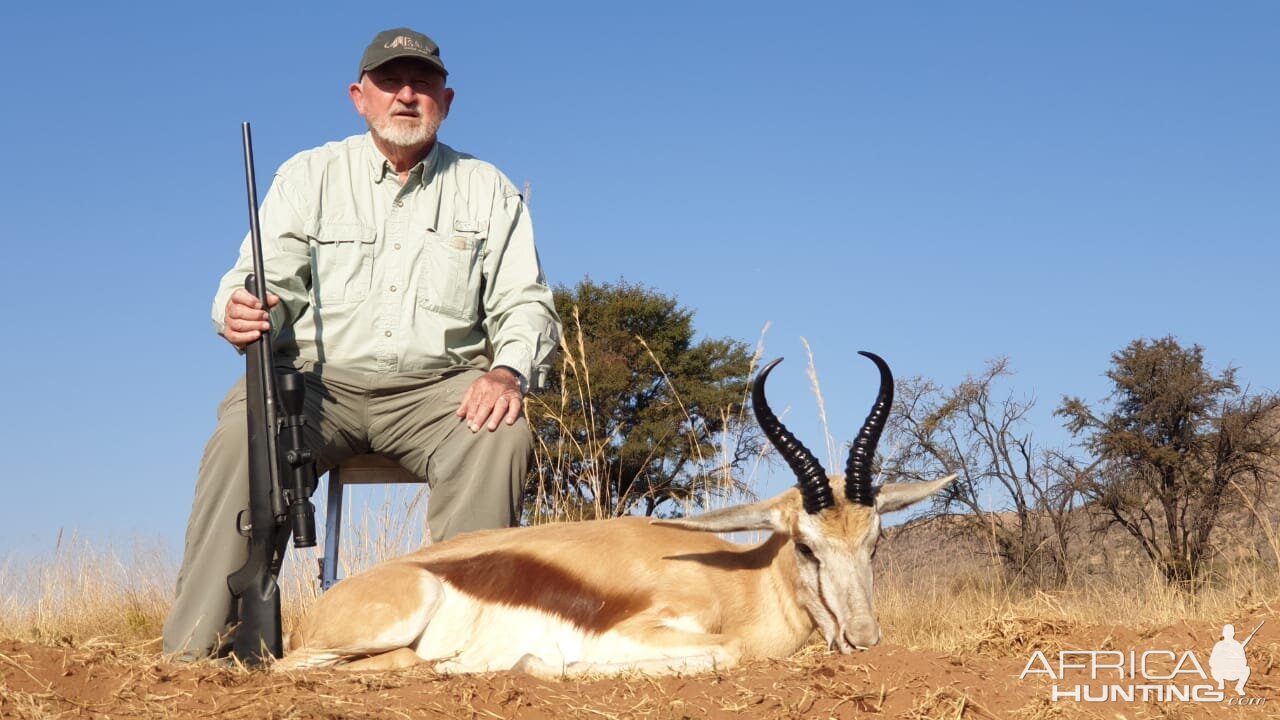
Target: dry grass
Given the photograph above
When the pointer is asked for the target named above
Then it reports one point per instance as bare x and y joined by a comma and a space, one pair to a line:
81, 591
978, 614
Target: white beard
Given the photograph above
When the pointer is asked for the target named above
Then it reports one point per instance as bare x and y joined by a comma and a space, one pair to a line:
396, 131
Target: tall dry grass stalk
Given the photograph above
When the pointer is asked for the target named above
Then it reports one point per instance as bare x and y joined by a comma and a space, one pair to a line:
1263, 516
811, 369
575, 384
584, 457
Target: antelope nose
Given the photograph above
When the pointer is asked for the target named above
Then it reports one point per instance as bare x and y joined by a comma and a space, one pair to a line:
863, 635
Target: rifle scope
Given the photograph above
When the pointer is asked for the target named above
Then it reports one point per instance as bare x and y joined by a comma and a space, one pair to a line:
298, 459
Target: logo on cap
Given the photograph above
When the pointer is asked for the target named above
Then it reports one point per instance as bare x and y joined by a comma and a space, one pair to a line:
403, 41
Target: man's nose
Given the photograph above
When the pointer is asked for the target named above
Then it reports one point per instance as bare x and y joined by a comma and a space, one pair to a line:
406, 94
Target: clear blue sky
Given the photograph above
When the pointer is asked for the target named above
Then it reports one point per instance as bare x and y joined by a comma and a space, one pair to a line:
937, 182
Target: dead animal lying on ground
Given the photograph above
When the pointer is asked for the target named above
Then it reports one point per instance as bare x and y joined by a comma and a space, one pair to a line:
631, 593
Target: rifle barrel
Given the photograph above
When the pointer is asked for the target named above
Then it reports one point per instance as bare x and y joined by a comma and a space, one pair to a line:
262, 346
1255, 632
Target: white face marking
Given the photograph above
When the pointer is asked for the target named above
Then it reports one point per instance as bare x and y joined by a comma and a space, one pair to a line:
836, 582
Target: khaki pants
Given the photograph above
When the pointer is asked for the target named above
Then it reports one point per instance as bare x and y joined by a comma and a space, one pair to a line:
476, 479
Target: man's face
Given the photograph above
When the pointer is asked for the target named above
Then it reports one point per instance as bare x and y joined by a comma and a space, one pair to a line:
404, 101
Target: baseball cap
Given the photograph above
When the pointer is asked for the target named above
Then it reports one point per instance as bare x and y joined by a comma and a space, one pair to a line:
398, 43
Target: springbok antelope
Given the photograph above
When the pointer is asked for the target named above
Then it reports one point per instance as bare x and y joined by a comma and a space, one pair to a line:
631, 594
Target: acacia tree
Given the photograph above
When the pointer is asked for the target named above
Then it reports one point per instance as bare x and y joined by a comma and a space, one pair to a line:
1174, 440
1008, 491
637, 414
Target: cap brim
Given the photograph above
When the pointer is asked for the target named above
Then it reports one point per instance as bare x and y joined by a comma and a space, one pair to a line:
431, 60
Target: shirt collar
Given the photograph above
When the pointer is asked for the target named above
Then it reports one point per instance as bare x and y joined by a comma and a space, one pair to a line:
380, 168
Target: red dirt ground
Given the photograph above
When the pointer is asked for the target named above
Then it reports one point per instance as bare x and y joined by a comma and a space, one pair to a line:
105, 680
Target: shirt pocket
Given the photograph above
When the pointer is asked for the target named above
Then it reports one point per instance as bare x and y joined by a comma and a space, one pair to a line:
451, 278
342, 263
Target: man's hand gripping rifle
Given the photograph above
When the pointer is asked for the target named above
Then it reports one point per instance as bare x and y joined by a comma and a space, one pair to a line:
276, 451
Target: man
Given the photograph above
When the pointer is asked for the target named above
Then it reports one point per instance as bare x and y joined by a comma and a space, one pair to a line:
405, 286
1228, 661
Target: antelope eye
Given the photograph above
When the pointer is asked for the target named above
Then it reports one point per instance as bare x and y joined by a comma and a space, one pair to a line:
805, 551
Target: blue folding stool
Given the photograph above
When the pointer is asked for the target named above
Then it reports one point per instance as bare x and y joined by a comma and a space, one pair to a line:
359, 470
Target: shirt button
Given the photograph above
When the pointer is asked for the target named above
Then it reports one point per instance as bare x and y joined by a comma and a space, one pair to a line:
393, 288
399, 203
397, 246
388, 333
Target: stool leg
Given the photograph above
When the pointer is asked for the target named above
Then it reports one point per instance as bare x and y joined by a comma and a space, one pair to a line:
332, 529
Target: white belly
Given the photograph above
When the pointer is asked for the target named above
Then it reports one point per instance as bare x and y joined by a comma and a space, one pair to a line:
465, 635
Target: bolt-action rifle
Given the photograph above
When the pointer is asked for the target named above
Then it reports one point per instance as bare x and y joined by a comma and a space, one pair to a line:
276, 451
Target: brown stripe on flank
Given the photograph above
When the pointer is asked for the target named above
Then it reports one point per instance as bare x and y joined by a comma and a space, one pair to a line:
511, 578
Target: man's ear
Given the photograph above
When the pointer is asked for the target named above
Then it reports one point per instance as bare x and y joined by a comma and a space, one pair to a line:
356, 91
448, 100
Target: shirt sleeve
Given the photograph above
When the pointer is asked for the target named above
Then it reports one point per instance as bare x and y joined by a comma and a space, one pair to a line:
520, 312
285, 255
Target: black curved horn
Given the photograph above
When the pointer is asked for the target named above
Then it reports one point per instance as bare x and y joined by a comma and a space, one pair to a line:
857, 473
814, 487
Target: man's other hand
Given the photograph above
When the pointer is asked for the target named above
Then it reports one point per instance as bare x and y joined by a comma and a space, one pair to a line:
493, 398
245, 320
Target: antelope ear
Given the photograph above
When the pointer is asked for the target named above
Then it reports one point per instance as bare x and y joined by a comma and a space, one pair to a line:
895, 496
755, 516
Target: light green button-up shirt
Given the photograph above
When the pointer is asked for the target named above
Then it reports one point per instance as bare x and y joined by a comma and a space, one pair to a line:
378, 277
